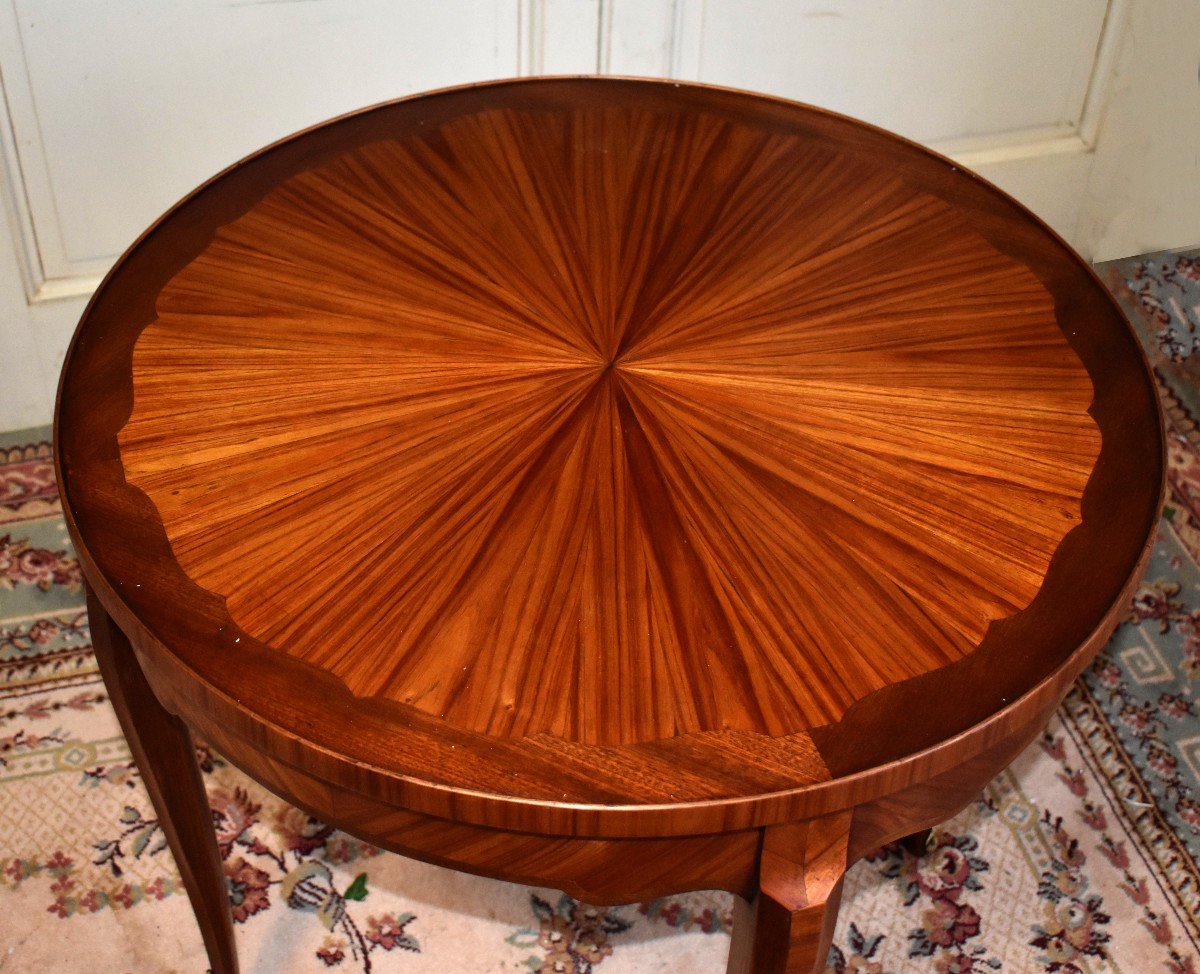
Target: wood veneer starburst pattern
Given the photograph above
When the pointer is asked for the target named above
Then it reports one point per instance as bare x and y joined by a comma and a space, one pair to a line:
610, 425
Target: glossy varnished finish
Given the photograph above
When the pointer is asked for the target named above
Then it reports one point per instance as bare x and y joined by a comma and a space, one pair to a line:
568, 424
597, 871
166, 757
527, 474
788, 925
676, 433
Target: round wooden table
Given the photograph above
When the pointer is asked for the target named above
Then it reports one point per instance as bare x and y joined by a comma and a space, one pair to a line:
621, 486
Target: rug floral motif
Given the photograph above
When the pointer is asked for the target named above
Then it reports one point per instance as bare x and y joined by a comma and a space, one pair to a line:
1079, 858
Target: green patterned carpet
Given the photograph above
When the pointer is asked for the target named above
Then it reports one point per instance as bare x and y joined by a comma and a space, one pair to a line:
1081, 857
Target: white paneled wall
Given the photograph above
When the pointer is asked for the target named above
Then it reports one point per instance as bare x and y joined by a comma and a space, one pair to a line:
1143, 192
933, 70
121, 108
116, 109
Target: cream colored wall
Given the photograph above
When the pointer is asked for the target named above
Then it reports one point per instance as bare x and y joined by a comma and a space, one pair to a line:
33, 341
1143, 192
1086, 110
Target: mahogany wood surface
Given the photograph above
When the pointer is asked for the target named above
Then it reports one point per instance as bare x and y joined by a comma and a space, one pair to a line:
619, 485
603, 457
784, 927
166, 758
788, 927
574, 399
598, 870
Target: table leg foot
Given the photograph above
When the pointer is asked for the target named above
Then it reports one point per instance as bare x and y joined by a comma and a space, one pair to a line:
788, 927
166, 758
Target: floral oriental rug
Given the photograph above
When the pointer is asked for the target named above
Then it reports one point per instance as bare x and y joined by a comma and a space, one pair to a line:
1080, 858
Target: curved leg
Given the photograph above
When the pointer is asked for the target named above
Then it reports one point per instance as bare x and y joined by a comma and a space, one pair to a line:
789, 926
166, 757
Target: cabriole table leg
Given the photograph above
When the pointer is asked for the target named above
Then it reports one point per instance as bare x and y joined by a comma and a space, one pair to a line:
166, 758
789, 926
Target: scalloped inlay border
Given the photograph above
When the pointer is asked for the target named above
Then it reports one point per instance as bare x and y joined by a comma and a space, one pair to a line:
610, 425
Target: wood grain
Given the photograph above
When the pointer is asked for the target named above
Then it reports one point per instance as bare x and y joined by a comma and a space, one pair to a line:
627, 486
598, 871
611, 425
788, 927
601, 458
166, 759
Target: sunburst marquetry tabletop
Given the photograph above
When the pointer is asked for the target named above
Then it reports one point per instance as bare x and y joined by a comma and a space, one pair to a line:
573, 453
